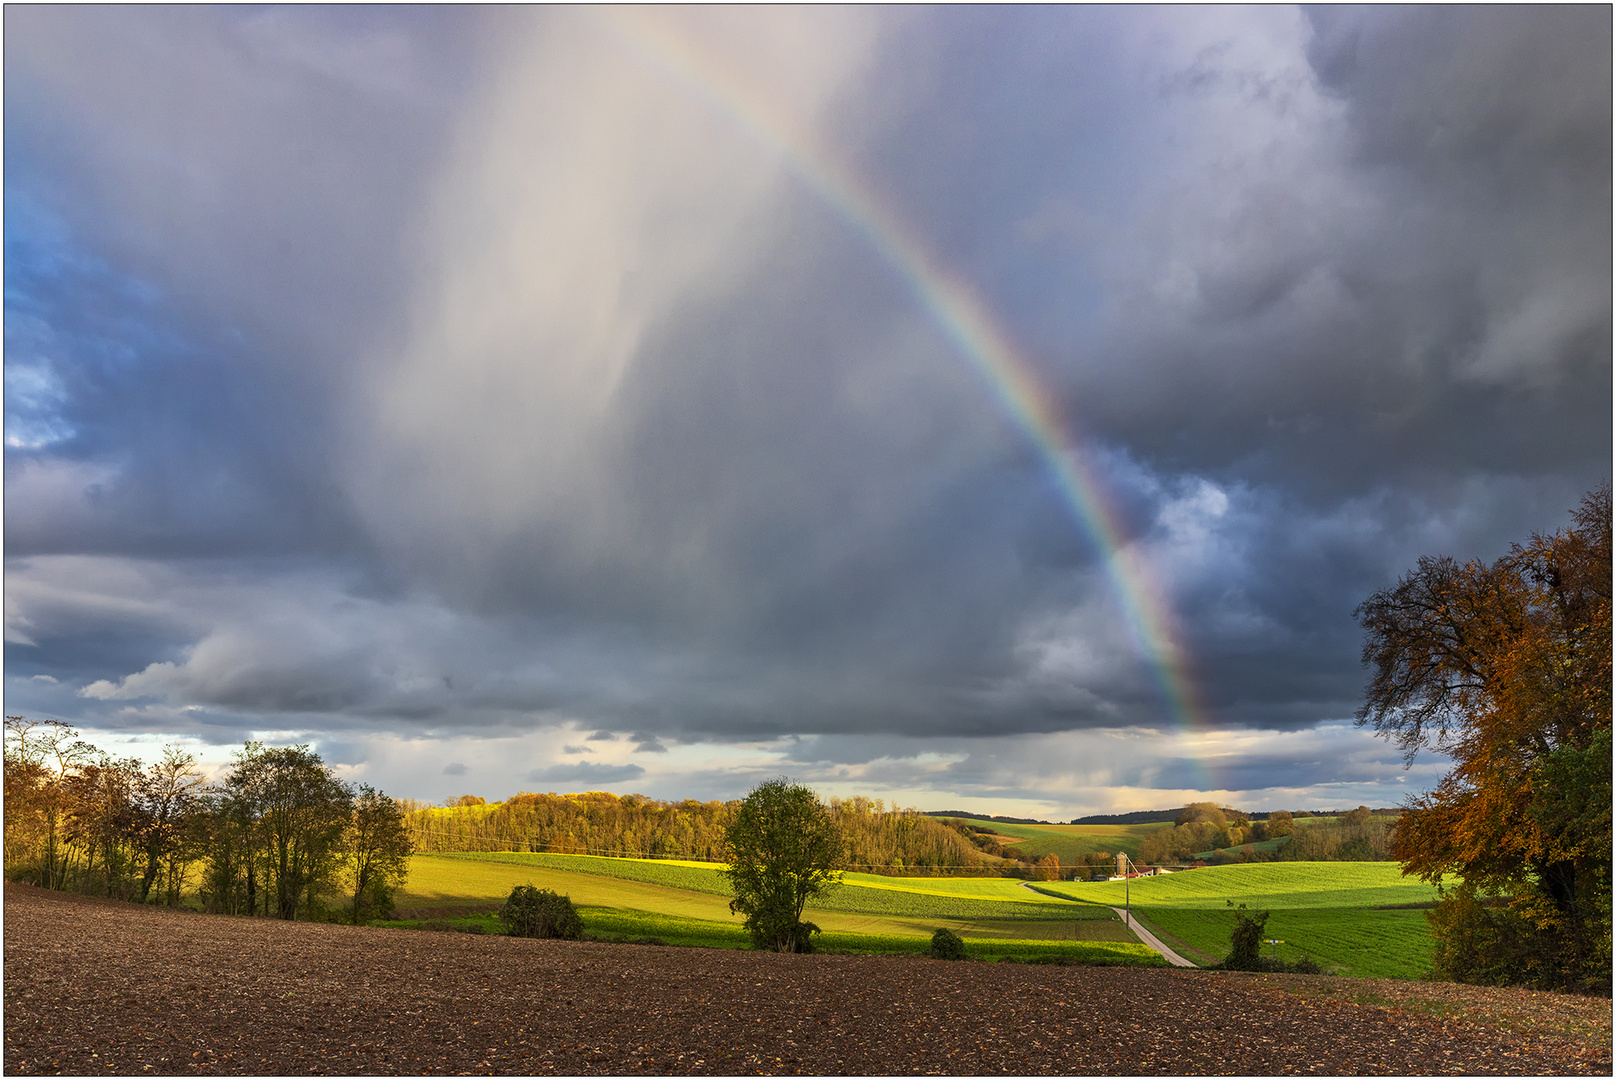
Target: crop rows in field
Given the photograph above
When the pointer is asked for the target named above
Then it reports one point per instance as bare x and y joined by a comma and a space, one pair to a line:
991, 940
1001, 890
928, 905
632, 925
1324, 910
865, 894
671, 874
1072, 844
1266, 885
1347, 941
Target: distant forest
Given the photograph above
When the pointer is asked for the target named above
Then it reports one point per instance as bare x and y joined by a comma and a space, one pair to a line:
879, 839
1149, 817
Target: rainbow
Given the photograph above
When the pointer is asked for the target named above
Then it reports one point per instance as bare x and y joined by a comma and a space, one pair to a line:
963, 317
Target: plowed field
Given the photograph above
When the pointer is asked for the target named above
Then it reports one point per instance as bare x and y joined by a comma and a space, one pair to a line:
101, 988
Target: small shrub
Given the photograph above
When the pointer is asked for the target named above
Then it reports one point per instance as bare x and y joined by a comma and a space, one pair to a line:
946, 945
540, 913
1306, 966
776, 930
1245, 953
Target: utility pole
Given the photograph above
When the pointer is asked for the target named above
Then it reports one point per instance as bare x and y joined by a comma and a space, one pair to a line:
1123, 862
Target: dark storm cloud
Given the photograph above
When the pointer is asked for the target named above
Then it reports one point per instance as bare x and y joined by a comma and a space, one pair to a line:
1373, 309
454, 373
1380, 258
198, 263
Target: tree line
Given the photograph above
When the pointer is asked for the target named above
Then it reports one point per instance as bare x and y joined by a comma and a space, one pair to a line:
877, 838
280, 836
1359, 835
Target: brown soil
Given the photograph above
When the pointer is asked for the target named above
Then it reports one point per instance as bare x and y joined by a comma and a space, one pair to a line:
97, 987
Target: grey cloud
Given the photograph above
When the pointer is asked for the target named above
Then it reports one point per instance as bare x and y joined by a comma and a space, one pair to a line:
1267, 301
454, 768
437, 371
586, 772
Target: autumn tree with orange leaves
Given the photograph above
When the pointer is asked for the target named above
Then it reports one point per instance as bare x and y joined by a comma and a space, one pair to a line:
1506, 669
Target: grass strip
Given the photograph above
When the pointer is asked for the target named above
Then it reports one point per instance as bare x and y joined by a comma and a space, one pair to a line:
1343, 941
641, 927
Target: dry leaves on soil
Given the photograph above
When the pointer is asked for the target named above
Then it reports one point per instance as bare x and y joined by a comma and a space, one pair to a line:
97, 987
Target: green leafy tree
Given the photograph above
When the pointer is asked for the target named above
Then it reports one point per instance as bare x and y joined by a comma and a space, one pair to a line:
946, 945
300, 809
783, 848
540, 913
376, 852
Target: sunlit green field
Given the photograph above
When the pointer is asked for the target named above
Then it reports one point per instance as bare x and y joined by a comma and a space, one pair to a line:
1031, 945
1323, 910
1349, 941
1072, 843
443, 885
671, 873
1256, 845
456, 882
868, 894
997, 890
1268, 885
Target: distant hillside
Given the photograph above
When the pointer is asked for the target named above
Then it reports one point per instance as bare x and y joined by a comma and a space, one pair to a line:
1136, 817
1146, 817
987, 817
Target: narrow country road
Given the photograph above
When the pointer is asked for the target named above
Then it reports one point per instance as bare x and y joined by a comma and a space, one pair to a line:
1152, 940
1145, 936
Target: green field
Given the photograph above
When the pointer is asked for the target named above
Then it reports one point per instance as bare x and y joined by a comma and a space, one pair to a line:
862, 890
1070, 843
878, 917
1031, 945
1268, 885
1323, 910
671, 873
1256, 845
1348, 941
442, 886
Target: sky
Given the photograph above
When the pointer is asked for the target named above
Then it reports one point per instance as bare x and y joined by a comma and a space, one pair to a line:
983, 408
